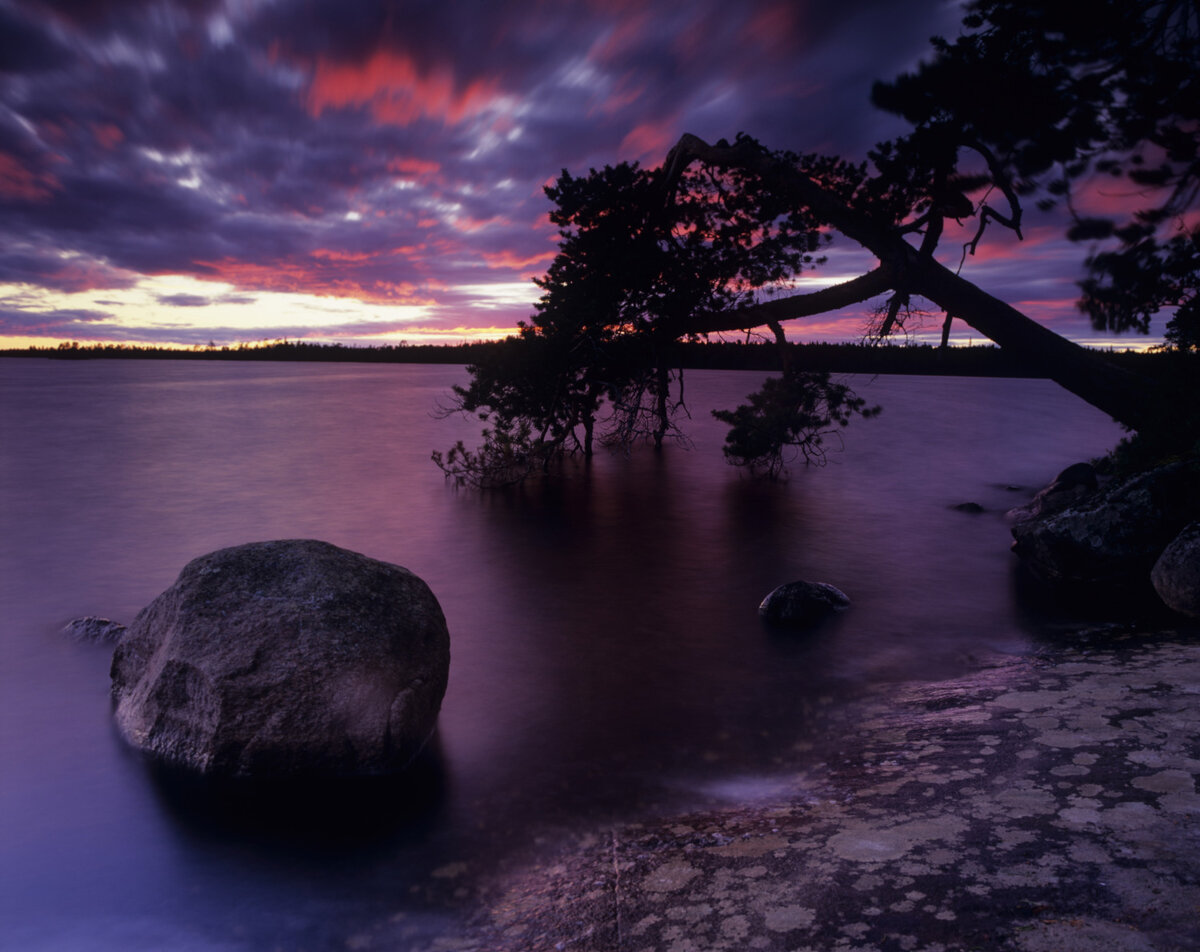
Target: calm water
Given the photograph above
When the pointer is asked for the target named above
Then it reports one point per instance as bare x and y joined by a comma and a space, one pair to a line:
607, 656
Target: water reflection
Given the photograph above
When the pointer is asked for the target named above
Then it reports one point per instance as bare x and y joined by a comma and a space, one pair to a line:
607, 656
326, 815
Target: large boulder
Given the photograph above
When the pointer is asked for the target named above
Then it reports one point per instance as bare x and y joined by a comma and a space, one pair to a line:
802, 604
1176, 574
1113, 538
281, 658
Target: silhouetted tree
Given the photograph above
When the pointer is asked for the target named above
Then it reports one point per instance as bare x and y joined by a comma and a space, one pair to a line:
633, 276
1114, 92
1031, 103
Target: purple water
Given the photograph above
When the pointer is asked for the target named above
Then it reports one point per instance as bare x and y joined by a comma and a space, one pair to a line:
607, 656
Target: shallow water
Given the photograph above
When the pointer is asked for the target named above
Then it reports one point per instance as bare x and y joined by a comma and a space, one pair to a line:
607, 656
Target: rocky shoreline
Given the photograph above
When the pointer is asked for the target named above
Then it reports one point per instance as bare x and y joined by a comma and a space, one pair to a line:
1042, 803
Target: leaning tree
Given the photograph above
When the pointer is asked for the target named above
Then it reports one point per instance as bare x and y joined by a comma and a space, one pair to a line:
1032, 103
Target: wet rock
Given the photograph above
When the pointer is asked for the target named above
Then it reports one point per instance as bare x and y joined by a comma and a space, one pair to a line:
1176, 574
801, 604
1070, 487
283, 658
93, 630
1114, 537
1040, 804
972, 507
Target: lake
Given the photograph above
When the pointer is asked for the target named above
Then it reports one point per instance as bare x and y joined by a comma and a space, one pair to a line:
607, 658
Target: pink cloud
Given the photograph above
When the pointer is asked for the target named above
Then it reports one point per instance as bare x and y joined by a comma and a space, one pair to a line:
649, 141
107, 134
772, 27
532, 264
17, 181
414, 168
324, 274
622, 97
396, 90
627, 31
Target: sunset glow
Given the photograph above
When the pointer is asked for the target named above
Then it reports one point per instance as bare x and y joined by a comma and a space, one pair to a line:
240, 171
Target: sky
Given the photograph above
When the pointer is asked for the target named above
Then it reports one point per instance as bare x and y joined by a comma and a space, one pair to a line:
185, 172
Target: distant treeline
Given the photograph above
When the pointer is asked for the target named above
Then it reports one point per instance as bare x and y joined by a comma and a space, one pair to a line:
272, 350
923, 359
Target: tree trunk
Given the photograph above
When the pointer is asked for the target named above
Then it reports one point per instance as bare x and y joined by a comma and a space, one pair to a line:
662, 386
1129, 398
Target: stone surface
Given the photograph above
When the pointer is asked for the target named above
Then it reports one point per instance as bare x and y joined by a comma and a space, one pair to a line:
1176, 574
1113, 538
281, 658
1072, 486
801, 604
93, 630
1038, 804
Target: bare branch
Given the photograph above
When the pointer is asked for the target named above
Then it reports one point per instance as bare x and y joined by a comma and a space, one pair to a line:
1000, 178
832, 298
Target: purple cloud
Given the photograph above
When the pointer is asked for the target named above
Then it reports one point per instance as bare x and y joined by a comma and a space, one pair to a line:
184, 300
391, 152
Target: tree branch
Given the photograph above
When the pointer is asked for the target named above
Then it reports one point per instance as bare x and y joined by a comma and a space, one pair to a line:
1130, 398
832, 298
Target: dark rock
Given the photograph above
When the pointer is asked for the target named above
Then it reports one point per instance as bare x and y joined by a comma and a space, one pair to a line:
800, 604
1072, 486
93, 630
1077, 474
283, 658
1176, 574
1114, 537
971, 507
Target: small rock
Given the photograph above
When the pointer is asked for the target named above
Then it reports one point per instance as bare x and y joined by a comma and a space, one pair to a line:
93, 630
971, 507
801, 604
1176, 574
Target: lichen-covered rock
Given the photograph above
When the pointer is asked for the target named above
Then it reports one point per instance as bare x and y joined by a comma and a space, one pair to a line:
1072, 486
1176, 574
93, 630
1114, 537
801, 604
280, 658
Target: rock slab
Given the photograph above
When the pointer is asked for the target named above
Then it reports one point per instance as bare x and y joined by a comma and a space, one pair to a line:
283, 658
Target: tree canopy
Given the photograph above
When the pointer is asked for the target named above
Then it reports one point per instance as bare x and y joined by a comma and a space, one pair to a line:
1029, 104
1049, 99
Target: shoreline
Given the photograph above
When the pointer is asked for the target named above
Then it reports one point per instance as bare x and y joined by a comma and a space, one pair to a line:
1046, 802
982, 360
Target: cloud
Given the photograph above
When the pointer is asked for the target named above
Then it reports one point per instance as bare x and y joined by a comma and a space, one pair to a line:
184, 300
26, 47
386, 152
68, 322
22, 264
